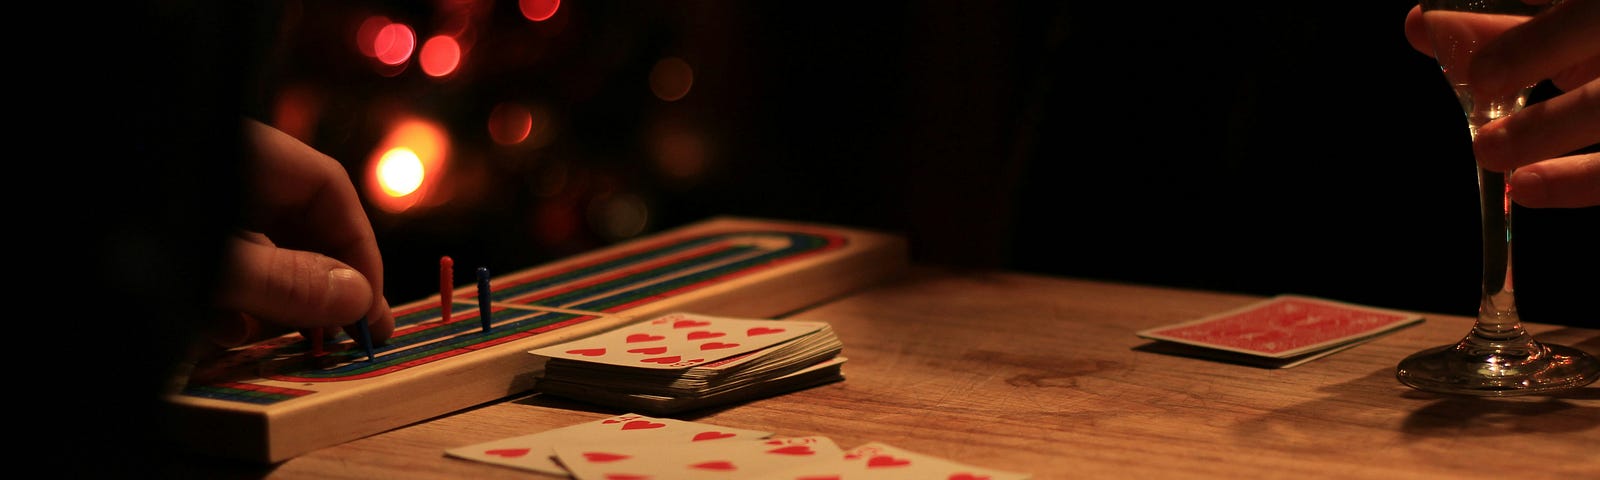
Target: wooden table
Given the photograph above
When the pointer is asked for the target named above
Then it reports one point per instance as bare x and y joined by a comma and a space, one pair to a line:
1045, 375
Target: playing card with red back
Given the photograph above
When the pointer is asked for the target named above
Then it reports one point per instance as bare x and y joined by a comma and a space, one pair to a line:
1285, 326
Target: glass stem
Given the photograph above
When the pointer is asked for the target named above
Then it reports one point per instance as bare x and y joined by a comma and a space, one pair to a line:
1497, 312
1498, 328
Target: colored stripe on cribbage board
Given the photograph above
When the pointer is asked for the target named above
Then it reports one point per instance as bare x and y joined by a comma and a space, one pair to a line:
248, 393
522, 306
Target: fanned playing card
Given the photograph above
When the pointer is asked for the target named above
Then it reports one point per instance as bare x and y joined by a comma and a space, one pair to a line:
878, 461
737, 459
1285, 330
536, 452
637, 447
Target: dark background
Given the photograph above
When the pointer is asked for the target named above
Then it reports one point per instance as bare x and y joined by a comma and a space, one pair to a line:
1289, 148
1263, 149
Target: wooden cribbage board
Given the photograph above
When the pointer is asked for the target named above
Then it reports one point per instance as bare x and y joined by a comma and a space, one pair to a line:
274, 400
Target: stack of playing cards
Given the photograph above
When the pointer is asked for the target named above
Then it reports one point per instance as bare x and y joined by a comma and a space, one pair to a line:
636, 447
684, 361
1279, 332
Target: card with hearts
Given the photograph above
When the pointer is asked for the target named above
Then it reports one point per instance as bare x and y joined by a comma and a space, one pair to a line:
536, 452
681, 361
734, 459
879, 461
822, 373
638, 447
679, 340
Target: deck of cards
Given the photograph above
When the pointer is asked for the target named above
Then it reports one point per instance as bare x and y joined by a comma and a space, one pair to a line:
634, 446
1279, 332
684, 361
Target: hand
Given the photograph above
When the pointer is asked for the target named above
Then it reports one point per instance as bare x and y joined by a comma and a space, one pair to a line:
309, 259
1562, 45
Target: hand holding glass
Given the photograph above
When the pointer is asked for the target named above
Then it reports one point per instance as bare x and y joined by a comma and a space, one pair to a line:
1498, 357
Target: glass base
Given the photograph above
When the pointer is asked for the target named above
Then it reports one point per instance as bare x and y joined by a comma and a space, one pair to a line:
1468, 369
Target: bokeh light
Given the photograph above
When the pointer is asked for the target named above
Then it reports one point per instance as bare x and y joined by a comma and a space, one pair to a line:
671, 78
440, 56
367, 34
415, 151
510, 123
538, 10
399, 172
394, 43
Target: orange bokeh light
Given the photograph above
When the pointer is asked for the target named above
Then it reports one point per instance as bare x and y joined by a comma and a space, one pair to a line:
417, 150
400, 172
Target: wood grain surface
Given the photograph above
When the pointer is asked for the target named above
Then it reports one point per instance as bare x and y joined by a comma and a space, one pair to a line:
1045, 375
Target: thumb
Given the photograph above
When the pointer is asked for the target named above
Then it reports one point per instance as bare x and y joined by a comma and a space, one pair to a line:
292, 288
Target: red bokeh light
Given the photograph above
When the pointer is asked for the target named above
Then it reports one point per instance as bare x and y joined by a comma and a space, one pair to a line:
394, 43
367, 34
671, 78
440, 56
510, 123
539, 10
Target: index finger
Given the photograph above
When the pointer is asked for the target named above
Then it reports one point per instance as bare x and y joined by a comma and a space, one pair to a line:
306, 201
1562, 37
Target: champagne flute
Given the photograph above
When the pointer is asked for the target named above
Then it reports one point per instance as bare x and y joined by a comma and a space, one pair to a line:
1498, 357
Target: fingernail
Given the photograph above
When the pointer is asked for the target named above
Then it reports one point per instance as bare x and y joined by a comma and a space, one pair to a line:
1527, 188
344, 281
